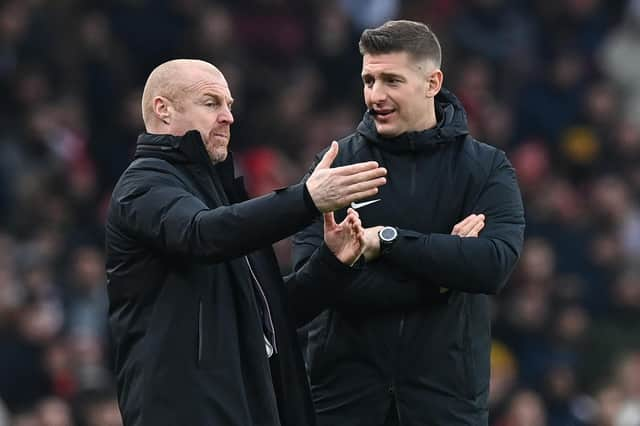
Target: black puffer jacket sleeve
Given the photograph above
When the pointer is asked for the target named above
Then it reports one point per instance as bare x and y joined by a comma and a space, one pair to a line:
474, 265
153, 204
313, 287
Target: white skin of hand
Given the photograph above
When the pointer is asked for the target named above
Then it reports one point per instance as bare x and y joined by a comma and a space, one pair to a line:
344, 239
334, 188
372, 243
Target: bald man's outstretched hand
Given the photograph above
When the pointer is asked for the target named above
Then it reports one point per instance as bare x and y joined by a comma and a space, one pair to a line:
334, 188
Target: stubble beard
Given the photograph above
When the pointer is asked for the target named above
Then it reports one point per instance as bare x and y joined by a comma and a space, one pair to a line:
217, 153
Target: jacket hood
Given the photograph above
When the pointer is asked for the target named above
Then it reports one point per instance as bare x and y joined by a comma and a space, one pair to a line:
452, 123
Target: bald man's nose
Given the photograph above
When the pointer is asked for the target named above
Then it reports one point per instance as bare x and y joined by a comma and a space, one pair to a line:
226, 116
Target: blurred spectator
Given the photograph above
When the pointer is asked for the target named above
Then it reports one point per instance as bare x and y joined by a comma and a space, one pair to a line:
87, 296
495, 30
616, 209
611, 336
504, 377
565, 406
620, 56
628, 376
474, 88
272, 30
334, 41
370, 13
609, 402
525, 409
581, 26
54, 412
532, 161
23, 380
551, 102
98, 407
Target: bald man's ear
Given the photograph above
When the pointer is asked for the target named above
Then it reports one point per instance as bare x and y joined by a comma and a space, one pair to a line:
434, 83
162, 109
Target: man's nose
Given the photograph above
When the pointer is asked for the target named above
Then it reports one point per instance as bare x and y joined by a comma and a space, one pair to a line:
378, 94
226, 116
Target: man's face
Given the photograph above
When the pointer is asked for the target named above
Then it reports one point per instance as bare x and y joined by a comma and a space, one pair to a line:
396, 90
205, 105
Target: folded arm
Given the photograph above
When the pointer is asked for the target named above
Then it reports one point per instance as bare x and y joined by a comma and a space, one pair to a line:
475, 265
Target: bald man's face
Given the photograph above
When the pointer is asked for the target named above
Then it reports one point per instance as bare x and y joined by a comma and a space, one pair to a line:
204, 105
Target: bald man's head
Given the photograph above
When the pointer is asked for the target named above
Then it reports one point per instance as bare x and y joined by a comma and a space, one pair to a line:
183, 95
172, 80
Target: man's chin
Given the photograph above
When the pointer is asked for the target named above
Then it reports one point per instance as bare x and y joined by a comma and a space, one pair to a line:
218, 155
386, 131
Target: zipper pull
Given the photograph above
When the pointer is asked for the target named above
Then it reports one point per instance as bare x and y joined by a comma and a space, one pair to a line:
268, 346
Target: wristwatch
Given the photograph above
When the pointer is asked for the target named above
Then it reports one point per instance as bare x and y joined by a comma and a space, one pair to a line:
387, 235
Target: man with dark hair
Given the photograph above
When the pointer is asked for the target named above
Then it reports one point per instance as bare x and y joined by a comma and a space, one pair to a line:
197, 307
414, 38
408, 341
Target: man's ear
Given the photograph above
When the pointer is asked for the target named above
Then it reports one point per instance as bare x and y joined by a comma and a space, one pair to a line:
162, 109
434, 83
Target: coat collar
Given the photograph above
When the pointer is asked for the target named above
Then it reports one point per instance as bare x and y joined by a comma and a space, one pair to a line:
189, 150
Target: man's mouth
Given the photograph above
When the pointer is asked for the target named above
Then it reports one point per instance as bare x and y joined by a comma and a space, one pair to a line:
382, 113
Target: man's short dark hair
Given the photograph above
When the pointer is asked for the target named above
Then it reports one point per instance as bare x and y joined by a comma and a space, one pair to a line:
412, 37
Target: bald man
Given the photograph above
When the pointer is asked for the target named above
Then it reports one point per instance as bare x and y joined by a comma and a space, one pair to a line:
198, 310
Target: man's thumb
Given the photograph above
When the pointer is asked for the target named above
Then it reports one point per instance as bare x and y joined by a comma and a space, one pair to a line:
329, 221
328, 156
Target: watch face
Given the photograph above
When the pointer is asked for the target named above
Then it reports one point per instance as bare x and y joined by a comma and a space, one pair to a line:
388, 234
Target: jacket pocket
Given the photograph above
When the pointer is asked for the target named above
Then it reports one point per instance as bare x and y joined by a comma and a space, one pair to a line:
330, 332
319, 336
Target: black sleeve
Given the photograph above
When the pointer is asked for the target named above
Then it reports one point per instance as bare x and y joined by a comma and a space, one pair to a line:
474, 265
313, 286
154, 206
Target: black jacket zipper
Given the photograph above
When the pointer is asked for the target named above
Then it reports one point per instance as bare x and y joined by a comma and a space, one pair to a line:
265, 303
155, 147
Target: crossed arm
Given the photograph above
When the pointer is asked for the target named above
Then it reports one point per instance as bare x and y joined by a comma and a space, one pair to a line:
376, 286
420, 264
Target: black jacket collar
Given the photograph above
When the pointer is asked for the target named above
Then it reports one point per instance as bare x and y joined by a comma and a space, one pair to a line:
190, 151
177, 149
452, 123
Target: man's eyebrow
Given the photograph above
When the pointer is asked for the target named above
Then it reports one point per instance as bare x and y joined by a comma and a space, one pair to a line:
390, 75
217, 96
383, 75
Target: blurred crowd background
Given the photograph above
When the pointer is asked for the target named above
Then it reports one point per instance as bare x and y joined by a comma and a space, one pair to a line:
556, 84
